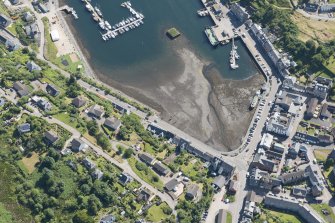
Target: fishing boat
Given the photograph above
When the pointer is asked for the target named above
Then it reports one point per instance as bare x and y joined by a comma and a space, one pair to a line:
97, 10
89, 7
108, 25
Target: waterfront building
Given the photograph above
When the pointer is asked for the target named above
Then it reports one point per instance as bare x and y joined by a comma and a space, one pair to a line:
262, 162
239, 12
266, 141
280, 124
54, 35
282, 63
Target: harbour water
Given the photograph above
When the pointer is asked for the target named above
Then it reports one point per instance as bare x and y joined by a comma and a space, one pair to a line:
145, 56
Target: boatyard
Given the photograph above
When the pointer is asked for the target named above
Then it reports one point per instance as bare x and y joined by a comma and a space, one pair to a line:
132, 22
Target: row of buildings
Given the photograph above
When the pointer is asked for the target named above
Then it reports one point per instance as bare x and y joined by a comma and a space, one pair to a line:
217, 165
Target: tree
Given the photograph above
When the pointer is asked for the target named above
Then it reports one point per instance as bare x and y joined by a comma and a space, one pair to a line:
155, 178
85, 188
128, 153
94, 205
93, 128
82, 217
103, 141
329, 163
47, 162
48, 214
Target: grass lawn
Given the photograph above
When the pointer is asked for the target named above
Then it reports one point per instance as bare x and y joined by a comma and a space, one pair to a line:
321, 154
5, 216
230, 197
156, 214
229, 218
12, 29
314, 29
330, 65
90, 138
193, 168
145, 175
65, 62
30, 162
149, 149
319, 207
3, 9
50, 50
281, 3
71, 121
272, 216
162, 154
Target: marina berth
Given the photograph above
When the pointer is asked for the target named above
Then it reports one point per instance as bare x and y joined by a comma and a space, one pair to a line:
125, 25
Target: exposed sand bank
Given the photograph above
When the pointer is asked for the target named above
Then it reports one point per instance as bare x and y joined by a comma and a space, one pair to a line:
193, 96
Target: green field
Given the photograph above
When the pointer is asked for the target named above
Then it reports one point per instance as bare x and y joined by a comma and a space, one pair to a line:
321, 154
50, 51
66, 63
272, 216
319, 207
156, 214
229, 218
71, 121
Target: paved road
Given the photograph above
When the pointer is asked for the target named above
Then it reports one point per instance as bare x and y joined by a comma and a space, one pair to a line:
125, 166
76, 134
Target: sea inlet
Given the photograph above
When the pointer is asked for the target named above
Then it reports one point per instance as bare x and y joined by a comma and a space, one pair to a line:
181, 78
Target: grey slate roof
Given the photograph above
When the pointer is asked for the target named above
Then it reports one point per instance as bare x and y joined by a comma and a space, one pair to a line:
21, 89
219, 181
96, 111
78, 102
51, 136
160, 169
112, 123
23, 128
192, 191
148, 159
31, 65
169, 186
